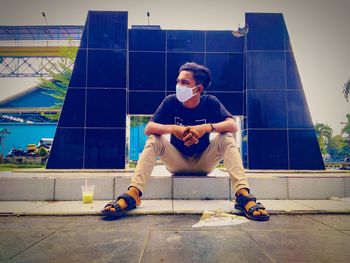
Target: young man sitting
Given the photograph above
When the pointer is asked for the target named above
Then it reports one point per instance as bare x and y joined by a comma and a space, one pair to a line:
190, 117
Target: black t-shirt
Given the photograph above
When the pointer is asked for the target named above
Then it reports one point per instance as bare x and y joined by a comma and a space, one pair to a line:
209, 110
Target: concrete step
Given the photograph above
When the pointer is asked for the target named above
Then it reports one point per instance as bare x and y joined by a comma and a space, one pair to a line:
42, 185
341, 206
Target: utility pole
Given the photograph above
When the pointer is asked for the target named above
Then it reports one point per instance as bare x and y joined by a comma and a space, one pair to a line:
148, 14
47, 28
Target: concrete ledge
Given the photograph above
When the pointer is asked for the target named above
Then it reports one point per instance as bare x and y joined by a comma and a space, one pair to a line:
315, 188
65, 186
187, 187
70, 189
27, 189
269, 188
158, 187
147, 207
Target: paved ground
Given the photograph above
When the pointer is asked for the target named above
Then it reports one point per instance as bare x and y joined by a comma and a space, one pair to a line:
166, 238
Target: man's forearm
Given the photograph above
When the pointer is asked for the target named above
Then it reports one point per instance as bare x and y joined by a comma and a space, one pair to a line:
157, 128
228, 125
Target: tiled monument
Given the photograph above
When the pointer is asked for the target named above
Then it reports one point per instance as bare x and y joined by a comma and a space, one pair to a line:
120, 71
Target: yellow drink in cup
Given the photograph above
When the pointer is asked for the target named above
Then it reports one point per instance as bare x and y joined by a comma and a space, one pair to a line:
88, 197
88, 193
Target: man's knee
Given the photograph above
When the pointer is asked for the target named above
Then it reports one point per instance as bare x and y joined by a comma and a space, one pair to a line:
156, 140
226, 138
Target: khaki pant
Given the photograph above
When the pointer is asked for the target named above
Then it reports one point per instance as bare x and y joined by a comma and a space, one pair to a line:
222, 147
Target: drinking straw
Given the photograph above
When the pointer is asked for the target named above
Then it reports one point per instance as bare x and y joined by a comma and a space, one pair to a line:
86, 184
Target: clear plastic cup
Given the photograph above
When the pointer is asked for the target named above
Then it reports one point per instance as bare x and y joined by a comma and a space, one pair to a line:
88, 193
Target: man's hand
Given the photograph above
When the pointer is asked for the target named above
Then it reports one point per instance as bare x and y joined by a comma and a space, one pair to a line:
181, 132
194, 133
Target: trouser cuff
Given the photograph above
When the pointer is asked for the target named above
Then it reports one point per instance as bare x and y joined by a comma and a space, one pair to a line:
241, 187
137, 186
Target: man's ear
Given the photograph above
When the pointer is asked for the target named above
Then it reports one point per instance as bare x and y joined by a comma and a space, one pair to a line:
200, 88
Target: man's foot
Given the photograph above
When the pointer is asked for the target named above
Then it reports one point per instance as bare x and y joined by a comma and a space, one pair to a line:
133, 192
258, 210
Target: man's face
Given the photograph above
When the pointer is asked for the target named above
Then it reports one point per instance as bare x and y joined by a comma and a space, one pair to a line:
185, 78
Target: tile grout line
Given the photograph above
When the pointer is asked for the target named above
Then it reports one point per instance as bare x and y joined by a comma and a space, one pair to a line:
37, 242
145, 246
54, 189
28, 211
300, 203
326, 225
230, 198
261, 249
114, 182
172, 193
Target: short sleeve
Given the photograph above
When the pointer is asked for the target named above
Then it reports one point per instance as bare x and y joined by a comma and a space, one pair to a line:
162, 114
220, 112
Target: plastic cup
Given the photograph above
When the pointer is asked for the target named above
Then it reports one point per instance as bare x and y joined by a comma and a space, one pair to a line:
88, 193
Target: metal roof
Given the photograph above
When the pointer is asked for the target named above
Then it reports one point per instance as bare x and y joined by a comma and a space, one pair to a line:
58, 32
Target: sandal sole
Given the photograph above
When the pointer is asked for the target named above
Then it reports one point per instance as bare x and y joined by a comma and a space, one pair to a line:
255, 218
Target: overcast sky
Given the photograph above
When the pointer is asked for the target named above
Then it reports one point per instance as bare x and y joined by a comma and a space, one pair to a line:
319, 32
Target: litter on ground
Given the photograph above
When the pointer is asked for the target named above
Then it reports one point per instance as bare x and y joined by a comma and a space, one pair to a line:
219, 218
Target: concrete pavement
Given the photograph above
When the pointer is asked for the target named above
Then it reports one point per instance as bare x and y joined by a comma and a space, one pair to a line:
165, 238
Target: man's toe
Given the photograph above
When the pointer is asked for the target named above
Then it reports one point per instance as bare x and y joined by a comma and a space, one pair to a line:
264, 212
256, 213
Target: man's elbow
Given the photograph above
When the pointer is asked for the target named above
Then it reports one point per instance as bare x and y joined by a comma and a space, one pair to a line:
147, 130
233, 127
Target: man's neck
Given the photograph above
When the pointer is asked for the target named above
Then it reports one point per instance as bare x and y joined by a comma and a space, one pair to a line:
192, 103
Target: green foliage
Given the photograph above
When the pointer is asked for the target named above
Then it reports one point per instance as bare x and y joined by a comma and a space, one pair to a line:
346, 128
324, 134
338, 147
43, 152
346, 90
58, 81
137, 120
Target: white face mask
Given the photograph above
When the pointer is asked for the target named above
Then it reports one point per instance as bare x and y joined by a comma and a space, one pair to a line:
184, 93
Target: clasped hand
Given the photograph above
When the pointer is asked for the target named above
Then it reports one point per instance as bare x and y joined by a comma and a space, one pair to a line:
189, 134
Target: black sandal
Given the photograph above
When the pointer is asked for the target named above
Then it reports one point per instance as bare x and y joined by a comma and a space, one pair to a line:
241, 202
118, 211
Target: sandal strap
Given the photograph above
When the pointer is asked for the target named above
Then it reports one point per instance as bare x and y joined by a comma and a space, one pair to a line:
256, 207
114, 205
128, 199
242, 200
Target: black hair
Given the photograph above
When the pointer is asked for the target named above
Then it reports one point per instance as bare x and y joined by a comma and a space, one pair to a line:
201, 74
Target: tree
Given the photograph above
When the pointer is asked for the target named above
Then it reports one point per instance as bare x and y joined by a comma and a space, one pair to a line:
324, 134
137, 120
338, 147
346, 128
346, 90
58, 81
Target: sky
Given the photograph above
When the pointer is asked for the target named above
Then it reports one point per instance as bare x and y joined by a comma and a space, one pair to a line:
319, 32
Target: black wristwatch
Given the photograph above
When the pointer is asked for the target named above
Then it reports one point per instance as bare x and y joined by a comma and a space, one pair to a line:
212, 128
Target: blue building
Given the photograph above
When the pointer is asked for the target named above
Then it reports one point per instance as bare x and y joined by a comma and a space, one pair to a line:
21, 114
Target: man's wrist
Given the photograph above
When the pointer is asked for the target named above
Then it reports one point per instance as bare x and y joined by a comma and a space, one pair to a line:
212, 128
209, 128
172, 129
